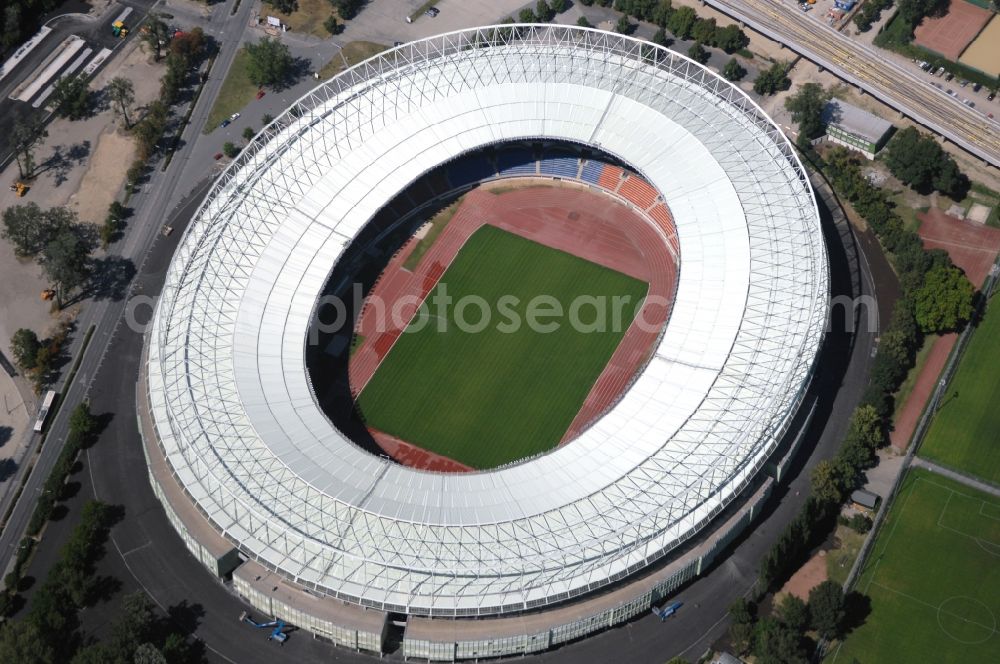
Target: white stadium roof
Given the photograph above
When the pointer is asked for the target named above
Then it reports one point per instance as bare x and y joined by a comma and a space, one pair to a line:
231, 398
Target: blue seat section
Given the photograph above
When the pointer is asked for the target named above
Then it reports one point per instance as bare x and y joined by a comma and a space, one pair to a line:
518, 161
562, 165
591, 171
469, 170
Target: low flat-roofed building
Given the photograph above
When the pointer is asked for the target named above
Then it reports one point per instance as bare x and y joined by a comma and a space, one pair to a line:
865, 499
855, 128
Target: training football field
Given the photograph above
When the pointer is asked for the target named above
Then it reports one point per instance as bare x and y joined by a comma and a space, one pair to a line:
966, 428
933, 577
488, 397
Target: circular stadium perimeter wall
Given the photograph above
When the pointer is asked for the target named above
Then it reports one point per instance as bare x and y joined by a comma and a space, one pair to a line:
227, 395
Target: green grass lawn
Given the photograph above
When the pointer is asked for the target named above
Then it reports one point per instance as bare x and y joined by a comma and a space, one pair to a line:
237, 91
933, 577
840, 559
965, 433
498, 395
351, 54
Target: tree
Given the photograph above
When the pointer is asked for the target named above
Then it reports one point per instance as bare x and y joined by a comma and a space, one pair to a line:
24, 228
660, 38
82, 422
269, 62
284, 6
526, 15
772, 79
190, 45
704, 31
543, 11
27, 133
774, 642
944, 302
681, 22
266, 119
156, 33
25, 346
698, 53
65, 261
733, 71
623, 26
826, 609
741, 631
794, 613
912, 11
347, 9
583, 22
230, 150
331, 25
559, 6
949, 180
71, 98
248, 133
122, 93
806, 107
730, 38
860, 523
24, 641
825, 482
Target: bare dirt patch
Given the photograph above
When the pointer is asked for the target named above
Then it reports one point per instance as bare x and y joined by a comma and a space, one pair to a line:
807, 577
984, 52
104, 177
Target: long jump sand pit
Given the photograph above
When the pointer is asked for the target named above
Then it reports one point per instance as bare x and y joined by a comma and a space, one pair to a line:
951, 33
984, 52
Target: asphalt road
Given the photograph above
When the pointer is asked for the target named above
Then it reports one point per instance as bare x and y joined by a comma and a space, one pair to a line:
145, 551
146, 222
873, 70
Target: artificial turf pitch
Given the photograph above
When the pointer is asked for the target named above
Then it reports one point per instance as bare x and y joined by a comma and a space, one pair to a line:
965, 433
933, 578
490, 397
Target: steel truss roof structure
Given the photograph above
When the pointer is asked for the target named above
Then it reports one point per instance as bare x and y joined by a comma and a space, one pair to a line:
230, 394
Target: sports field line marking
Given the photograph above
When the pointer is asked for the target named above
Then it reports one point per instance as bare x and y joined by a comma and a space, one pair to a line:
988, 516
940, 521
964, 495
992, 629
885, 546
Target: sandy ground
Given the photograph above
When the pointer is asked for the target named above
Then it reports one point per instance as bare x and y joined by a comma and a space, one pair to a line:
806, 578
104, 177
984, 52
82, 164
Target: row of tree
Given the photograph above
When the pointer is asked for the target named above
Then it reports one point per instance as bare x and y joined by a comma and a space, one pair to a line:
782, 638
936, 297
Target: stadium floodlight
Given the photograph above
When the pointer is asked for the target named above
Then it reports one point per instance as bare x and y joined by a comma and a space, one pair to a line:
229, 393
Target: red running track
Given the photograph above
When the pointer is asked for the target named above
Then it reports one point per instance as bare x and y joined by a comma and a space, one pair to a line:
568, 218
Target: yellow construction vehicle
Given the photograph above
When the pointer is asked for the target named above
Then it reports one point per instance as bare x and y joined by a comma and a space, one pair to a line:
19, 188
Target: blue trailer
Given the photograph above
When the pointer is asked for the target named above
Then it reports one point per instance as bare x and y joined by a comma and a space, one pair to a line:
277, 634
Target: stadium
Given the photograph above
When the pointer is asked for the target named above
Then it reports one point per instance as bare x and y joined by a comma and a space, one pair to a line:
550, 542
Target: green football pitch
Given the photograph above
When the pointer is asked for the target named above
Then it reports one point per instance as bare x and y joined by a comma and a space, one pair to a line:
933, 577
964, 434
491, 396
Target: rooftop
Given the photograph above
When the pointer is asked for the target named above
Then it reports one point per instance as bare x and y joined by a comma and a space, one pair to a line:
855, 120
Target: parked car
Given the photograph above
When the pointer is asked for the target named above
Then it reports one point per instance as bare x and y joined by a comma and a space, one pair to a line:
939, 72
260, 93
949, 76
225, 123
234, 117
976, 87
991, 95
963, 82
432, 12
218, 156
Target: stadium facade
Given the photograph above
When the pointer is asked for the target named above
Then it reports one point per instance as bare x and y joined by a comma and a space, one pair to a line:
264, 489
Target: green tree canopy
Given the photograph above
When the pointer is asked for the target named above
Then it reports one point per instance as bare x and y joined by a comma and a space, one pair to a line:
776, 643
698, 53
704, 31
681, 22
794, 613
269, 62
122, 94
25, 346
71, 98
771, 80
806, 107
28, 131
733, 71
826, 609
944, 302
730, 38
825, 482
66, 262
